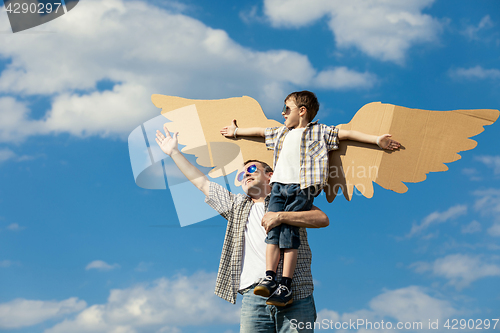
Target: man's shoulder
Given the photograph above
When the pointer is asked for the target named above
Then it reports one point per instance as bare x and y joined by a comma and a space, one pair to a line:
219, 188
218, 193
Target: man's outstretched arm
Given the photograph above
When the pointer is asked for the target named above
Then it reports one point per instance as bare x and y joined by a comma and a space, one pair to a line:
169, 146
314, 218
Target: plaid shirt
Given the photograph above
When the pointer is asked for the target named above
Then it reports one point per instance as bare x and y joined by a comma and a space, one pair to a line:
235, 208
317, 141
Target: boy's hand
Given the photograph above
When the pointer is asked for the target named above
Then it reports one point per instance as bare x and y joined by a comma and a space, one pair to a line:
167, 143
385, 142
228, 131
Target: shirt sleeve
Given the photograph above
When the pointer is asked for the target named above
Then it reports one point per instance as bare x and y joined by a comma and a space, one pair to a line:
271, 135
221, 200
332, 137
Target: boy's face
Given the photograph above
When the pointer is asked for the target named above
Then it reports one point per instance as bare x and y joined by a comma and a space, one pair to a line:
292, 113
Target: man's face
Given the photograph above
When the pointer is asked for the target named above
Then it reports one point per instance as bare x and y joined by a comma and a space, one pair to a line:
255, 182
291, 113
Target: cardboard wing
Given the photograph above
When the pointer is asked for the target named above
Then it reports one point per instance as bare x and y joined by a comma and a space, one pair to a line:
199, 123
429, 140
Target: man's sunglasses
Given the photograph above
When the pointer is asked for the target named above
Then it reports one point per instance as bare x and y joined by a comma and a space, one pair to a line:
251, 169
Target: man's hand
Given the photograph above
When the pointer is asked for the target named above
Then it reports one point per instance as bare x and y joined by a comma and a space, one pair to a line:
271, 220
167, 143
385, 142
228, 131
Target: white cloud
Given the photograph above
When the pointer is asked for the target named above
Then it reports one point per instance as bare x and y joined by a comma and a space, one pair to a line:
472, 31
22, 313
344, 78
143, 266
5, 263
251, 15
471, 228
494, 230
405, 305
460, 270
488, 204
490, 161
383, 29
437, 218
6, 154
15, 227
14, 122
476, 72
141, 50
161, 306
488, 201
98, 113
101, 266
472, 173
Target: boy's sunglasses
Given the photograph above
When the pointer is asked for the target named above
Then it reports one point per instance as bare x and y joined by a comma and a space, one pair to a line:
251, 169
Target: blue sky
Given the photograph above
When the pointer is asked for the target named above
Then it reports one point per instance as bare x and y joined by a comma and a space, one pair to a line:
84, 249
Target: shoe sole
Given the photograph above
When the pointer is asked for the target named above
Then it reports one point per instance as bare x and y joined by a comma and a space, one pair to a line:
261, 291
275, 303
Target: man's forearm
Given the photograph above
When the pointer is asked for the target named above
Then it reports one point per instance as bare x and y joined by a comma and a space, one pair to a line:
192, 173
314, 218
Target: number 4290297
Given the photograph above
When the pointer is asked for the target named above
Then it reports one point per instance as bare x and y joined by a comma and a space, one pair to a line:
478, 324
33, 8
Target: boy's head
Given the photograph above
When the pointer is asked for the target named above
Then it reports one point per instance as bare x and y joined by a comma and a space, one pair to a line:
305, 99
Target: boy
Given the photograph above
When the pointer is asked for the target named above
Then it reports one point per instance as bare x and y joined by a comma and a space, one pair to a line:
300, 172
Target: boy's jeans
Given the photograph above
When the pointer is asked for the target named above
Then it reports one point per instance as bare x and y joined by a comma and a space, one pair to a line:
288, 198
257, 317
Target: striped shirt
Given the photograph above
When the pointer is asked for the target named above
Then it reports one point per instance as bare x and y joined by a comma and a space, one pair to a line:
317, 141
235, 208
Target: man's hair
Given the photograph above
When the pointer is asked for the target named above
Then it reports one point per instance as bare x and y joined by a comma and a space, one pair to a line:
308, 100
266, 166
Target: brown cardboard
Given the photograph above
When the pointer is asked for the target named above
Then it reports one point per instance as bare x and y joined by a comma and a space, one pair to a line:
199, 123
429, 139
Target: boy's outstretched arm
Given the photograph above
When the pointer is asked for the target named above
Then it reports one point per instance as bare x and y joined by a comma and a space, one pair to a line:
169, 146
229, 131
383, 141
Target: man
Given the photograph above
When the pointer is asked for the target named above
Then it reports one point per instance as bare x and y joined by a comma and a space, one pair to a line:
243, 261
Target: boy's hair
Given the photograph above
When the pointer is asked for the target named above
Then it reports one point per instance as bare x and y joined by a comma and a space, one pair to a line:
308, 100
266, 166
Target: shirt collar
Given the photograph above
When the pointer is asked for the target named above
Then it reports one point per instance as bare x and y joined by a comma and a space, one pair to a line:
308, 125
313, 123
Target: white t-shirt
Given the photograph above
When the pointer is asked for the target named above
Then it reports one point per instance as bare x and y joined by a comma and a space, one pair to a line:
253, 263
287, 170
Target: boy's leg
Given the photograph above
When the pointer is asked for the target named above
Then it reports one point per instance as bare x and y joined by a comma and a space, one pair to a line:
297, 200
283, 295
276, 204
268, 285
289, 262
272, 257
